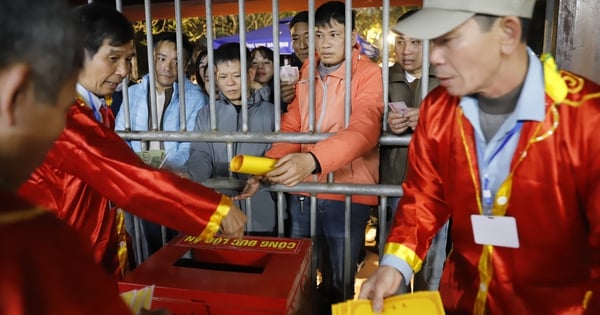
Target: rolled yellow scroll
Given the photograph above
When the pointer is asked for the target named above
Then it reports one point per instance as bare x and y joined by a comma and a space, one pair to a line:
254, 165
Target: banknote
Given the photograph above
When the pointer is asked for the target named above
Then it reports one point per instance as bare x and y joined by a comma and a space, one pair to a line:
155, 158
289, 74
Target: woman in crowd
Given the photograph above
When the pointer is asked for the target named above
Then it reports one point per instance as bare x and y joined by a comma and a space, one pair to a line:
261, 59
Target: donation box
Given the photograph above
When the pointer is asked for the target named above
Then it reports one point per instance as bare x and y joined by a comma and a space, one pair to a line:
251, 276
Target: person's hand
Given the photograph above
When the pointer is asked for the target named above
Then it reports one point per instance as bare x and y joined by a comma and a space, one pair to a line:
288, 92
183, 174
398, 122
292, 168
384, 282
252, 186
233, 223
413, 117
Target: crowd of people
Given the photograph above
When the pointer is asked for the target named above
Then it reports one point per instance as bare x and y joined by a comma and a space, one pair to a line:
503, 147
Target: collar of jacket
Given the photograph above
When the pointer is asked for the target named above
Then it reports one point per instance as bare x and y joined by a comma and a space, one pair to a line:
256, 97
397, 74
341, 71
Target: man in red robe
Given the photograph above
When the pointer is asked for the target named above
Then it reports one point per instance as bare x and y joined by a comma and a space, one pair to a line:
508, 149
90, 166
46, 267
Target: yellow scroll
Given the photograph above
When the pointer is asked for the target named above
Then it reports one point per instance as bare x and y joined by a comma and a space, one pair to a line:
254, 165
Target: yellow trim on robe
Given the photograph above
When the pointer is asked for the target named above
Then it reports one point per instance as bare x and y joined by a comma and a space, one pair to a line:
404, 253
215, 219
555, 85
20, 215
122, 236
586, 299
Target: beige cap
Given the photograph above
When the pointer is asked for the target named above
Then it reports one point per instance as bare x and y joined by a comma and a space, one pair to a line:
438, 17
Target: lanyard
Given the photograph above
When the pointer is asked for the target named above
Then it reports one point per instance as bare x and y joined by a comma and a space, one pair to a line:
93, 106
503, 194
487, 192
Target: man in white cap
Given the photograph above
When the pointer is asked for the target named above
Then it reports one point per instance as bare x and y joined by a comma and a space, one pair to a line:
508, 147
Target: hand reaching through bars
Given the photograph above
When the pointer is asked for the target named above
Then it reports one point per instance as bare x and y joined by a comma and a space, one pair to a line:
252, 186
292, 168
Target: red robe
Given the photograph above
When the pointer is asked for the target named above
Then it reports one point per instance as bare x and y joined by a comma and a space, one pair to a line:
48, 268
555, 199
90, 164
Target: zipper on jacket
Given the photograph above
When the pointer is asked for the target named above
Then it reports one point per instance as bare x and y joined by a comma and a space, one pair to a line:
323, 106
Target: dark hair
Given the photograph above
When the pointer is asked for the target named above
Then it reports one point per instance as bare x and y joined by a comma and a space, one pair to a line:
200, 76
230, 52
44, 35
172, 37
265, 52
333, 10
100, 22
486, 22
300, 17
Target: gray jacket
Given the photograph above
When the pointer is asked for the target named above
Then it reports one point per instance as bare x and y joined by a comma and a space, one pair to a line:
209, 159
392, 166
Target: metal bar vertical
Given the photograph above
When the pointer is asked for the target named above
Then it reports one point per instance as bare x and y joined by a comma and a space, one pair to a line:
311, 69
425, 67
280, 215
211, 65
244, 64
180, 66
313, 236
382, 235
276, 66
229, 148
425, 70
124, 83
385, 70
151, 72
348, 63
347, 244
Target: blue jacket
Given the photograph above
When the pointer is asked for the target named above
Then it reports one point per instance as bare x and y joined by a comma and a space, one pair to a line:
195, 99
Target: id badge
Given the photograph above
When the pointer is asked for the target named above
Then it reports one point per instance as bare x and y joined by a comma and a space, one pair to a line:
494, 230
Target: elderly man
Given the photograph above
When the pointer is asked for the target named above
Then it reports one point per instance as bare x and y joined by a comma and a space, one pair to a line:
508, 148
90, 166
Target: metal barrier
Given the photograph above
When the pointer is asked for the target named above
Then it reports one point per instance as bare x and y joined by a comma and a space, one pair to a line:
383, 191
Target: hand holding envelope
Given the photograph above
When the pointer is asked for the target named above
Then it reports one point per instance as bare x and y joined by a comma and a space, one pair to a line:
425, 302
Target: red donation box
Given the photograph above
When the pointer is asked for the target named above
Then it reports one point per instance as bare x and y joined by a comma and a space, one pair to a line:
251, 276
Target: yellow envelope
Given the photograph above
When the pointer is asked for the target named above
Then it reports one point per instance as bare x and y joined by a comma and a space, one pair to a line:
427, 302
139, 299
254, 165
